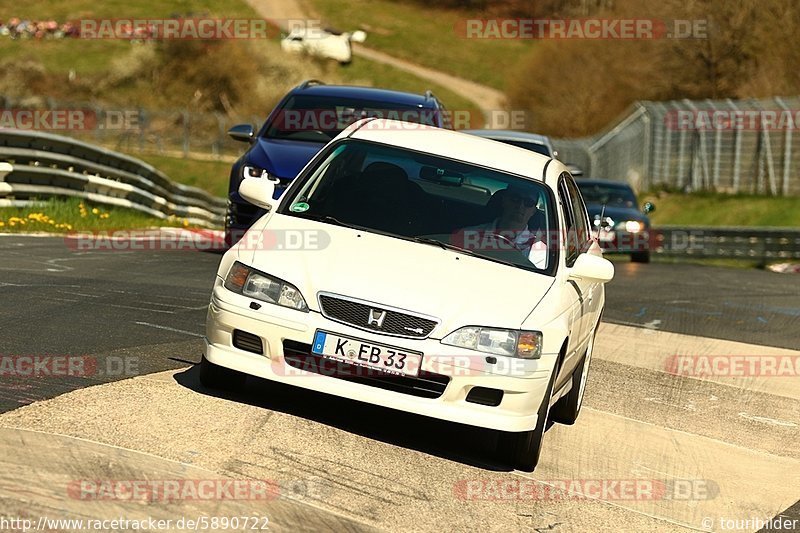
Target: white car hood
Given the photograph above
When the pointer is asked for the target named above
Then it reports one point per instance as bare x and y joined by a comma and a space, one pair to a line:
457, 289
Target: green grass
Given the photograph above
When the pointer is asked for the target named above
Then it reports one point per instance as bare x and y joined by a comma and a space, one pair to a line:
710, 209
211, 176
426, 36
66, 216
90, 56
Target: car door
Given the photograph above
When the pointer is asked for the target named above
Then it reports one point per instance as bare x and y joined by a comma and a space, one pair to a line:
571, 291
577, 237
588, 289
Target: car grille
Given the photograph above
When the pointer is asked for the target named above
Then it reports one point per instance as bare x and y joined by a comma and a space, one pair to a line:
426, 385
357, 314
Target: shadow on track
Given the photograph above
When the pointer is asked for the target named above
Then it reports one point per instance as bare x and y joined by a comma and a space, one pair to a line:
455, 442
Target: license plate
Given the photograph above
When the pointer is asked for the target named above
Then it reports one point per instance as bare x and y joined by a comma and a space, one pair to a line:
367, 354
606, 236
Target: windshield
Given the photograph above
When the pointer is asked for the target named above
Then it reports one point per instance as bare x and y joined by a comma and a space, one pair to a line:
321, 118
610, 195
432, 200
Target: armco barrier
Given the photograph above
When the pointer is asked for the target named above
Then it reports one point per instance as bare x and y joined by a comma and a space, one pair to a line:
762, 244
44, 165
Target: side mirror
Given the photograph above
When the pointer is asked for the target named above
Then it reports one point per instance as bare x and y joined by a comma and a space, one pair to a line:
648, 207
258, 191
242, 132
592, 267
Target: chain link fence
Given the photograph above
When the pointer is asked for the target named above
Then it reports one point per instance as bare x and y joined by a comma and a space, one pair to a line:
733, 146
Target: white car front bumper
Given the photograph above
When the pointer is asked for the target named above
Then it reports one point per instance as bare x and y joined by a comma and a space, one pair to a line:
523, 392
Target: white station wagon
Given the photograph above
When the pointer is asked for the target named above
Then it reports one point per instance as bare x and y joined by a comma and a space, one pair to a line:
448, 275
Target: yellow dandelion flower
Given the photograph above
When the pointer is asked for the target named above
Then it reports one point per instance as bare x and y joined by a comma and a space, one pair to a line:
95, 211
185, 222
12, 223
2, 223
105, 215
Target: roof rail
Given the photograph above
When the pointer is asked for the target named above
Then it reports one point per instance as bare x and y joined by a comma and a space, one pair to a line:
309, 83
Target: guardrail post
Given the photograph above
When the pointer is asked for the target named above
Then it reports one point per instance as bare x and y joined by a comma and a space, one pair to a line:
186, 132
717, 150
787, 146
737, 149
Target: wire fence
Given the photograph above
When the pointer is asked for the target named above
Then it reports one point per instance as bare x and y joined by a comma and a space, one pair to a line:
733, 146
742, 146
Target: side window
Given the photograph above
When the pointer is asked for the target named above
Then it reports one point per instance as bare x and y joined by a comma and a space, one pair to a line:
570, 233
580, 215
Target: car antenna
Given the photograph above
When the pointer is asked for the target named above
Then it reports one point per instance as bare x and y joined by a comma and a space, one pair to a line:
600, 221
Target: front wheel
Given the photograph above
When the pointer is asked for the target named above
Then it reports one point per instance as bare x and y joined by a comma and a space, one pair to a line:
567, 409
523, 449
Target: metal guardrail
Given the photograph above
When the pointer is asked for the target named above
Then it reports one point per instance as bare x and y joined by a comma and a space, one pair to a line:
762, 244
44, 165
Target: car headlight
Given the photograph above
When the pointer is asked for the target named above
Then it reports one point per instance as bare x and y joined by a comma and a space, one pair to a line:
508, 342
251, 171
249, 282
631, 226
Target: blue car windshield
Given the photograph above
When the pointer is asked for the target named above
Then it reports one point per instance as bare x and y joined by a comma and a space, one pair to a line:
321, 118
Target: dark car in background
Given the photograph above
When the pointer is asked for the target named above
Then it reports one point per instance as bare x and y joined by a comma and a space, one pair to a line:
614, 211
302, 123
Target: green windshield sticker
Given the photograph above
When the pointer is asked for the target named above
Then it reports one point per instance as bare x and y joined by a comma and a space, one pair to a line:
299, 207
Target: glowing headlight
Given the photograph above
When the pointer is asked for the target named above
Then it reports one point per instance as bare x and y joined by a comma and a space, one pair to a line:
249, 282
632, 226
508, 342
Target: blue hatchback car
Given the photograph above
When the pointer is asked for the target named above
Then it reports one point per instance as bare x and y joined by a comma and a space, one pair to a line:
302, 123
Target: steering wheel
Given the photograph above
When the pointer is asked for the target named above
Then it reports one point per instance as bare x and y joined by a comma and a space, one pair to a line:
503, 238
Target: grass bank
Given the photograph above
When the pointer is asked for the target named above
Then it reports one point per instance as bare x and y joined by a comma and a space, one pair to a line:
713, 209
73, 214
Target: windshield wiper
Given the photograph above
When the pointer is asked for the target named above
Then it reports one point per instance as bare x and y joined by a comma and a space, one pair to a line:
440, 244
327, 219
454, 248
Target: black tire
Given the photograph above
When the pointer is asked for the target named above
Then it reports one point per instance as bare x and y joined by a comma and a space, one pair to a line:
218, 377
523, 449
640, 257
566, 409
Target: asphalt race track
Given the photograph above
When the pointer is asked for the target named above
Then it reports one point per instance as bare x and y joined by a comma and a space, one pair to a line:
716, 448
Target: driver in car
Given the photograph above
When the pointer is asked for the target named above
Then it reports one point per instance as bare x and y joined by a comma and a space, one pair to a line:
518, 225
